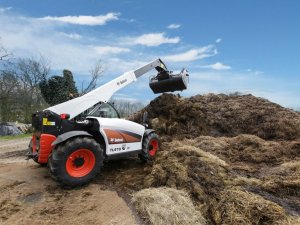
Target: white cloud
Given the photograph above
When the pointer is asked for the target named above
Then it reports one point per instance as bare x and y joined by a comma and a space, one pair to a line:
255, 72
217, 66
119, 65
55, 46
4, 9
174, 26
193, 54
74, 36
107, 50
152, 39
218, 40
84, 20
35, 38
124, 97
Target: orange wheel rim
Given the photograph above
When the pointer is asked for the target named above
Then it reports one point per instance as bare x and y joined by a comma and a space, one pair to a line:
153, 147
80, 163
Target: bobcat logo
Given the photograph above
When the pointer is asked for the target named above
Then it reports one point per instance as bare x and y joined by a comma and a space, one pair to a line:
116, 140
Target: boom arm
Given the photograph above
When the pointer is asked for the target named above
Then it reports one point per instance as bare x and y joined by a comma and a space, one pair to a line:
103, 93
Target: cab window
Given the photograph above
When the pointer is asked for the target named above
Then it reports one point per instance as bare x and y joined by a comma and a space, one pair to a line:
104, 110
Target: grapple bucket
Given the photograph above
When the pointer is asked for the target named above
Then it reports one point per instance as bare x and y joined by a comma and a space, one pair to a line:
166, 81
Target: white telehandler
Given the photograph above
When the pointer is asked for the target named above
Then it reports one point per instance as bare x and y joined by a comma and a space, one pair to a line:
73, 138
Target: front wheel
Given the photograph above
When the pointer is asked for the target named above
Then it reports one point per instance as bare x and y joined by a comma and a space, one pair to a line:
150, 147
76, 162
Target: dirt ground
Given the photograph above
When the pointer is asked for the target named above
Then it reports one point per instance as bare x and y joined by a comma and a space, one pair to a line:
30, 196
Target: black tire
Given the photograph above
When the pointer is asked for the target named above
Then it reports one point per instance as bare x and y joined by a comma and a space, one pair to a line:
64, 167
148, 149
50, 166
36, 158
41, 164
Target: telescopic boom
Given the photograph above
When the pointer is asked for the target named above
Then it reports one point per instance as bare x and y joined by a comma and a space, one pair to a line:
103, 93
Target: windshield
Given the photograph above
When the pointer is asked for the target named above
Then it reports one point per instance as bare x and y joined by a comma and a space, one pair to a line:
104, 110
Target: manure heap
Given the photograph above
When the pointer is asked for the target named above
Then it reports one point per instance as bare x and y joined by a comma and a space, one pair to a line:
235, 157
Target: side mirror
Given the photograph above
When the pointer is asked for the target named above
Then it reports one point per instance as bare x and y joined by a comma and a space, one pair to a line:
145, 119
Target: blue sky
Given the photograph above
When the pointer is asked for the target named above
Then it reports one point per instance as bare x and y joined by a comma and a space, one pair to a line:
246, 46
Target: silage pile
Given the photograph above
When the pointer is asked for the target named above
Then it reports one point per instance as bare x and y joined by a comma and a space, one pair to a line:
237, 158
221, 115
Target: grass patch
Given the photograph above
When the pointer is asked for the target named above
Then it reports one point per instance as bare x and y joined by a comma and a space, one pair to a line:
13, 137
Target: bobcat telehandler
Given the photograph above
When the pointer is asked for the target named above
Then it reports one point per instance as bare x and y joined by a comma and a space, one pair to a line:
75, 137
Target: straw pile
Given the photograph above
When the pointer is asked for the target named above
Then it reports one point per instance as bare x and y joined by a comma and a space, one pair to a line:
162, 206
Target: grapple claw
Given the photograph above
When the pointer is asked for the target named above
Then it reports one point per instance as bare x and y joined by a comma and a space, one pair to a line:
166, 81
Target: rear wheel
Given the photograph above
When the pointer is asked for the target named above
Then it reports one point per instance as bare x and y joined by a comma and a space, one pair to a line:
76, 162
150, 147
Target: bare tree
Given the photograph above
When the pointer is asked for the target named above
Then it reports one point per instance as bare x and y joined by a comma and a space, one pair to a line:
126, 107
4, 53
96, 73
8, 97
19, 88
30, 73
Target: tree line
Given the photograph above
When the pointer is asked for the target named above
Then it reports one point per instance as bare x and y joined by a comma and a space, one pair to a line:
126, 107
26, 87
19, 88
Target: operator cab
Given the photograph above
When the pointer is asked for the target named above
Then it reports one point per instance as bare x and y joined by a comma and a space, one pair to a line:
104, 110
